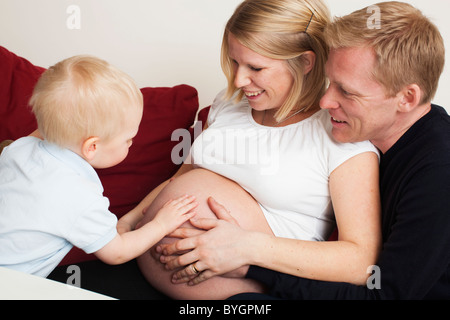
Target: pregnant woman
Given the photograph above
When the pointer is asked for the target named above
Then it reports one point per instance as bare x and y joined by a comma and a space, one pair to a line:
268, 155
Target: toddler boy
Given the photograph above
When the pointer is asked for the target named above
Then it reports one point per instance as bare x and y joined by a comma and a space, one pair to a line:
51, 198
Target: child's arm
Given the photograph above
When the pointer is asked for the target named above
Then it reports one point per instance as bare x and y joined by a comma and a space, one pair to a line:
128, 222
130, 245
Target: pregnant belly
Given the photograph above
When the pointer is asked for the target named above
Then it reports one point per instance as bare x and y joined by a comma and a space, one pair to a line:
203, 184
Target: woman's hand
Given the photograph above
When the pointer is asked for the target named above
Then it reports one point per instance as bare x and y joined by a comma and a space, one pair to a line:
211, 246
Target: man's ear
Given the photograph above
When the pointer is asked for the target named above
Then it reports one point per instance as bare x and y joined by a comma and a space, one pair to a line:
89, 148
410, 97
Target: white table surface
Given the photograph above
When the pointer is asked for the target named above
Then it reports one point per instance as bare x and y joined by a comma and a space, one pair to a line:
16, 285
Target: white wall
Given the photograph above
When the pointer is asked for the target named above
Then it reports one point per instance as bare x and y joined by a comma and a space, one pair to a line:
157, 42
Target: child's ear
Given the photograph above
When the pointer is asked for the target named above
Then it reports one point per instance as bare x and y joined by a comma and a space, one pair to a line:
89, 148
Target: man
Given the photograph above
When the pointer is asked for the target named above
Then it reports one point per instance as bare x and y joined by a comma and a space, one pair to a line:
382, 79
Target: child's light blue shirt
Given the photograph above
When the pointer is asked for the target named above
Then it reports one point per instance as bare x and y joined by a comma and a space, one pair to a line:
50, 200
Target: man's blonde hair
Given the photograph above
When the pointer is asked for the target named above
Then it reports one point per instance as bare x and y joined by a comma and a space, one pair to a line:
283, 30
83, 97
408, 46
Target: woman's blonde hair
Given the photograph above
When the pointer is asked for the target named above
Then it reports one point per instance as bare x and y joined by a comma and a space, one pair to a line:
83, 97
283, 30
408, 46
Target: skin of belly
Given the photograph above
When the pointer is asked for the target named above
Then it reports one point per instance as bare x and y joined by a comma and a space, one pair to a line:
203, 184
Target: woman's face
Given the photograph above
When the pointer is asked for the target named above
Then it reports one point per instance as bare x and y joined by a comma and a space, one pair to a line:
265, 82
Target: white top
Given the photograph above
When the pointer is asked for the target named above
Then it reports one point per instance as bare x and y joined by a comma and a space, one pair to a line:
286, 169
50, 200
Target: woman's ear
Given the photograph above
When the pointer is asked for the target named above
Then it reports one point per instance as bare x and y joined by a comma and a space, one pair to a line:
309, 60
410, 97
89, 148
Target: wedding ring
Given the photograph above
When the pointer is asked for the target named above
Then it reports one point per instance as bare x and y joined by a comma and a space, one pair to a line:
194, 269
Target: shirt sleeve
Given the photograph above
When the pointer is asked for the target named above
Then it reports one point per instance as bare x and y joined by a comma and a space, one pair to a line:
341, 152
288, 287
95, 227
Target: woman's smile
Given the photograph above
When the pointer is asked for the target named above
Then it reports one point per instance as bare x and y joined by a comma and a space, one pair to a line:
253, 95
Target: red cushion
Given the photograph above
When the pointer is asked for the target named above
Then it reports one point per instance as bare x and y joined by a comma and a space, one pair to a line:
17, 79
149, 161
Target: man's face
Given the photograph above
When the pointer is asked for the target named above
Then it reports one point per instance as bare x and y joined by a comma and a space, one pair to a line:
357, 103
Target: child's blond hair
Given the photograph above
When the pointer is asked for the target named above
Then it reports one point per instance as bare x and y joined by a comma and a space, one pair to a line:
83, 97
